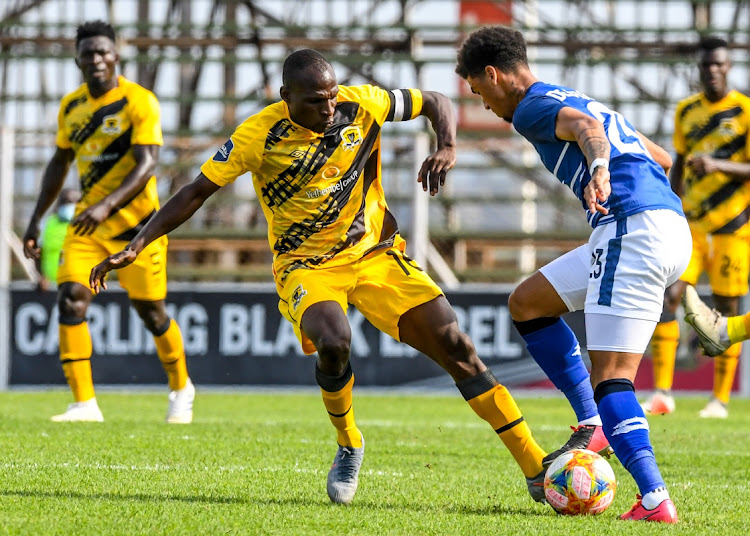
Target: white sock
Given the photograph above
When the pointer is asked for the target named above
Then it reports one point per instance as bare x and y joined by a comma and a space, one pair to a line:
652, 499
596, 420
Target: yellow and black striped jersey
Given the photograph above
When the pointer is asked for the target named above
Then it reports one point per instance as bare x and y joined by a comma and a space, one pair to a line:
320, 192
715, 203
102, 132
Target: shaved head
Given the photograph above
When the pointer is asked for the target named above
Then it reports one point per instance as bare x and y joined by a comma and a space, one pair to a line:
305, 66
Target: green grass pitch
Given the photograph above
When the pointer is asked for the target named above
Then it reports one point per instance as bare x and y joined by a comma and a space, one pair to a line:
256, 463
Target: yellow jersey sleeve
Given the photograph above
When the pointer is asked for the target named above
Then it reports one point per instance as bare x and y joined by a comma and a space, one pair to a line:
384, 105
146, 119
62, 139
242, 152
678, 139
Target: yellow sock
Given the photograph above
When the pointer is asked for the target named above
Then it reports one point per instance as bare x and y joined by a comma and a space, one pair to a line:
725, 365
171, 353
341, 413
496, 406
738, 327
75, 356
664, 344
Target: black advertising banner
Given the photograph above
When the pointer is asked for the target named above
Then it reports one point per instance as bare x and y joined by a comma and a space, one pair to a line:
236, 336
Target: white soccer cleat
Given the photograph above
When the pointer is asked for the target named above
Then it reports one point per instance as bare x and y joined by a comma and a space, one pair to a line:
715, 409
343, 478
659, 404
180, 409
708, 323
87, 411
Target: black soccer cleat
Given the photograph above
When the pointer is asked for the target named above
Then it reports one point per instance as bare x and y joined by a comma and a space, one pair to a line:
588, 437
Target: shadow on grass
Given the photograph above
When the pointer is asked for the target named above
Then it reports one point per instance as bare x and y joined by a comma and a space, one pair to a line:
286, 502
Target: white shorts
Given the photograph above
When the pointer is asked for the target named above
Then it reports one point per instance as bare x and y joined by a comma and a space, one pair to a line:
623, 271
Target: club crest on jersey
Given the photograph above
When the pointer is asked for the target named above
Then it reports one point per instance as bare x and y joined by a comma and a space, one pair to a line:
111, 125
222, 155
726, 127
297, 296
351, 137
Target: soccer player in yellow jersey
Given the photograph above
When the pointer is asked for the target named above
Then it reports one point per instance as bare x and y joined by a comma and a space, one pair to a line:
111, 127
315, 163
710, 173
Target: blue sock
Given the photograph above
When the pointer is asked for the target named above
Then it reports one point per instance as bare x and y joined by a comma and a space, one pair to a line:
554, 347
626, 428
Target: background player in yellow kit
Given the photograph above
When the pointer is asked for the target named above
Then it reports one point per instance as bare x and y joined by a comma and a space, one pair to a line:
315, 163
710, 174
111, 127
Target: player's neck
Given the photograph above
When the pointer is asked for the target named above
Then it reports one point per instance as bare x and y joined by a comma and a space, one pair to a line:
716, 97
97, 90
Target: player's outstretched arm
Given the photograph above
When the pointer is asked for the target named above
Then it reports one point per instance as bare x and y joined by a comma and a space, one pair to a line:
52, 183
180, 207
589, 134
439, 110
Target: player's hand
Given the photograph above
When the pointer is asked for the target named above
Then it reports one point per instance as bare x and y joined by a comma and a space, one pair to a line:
113, 262
88, 220
31, 248
597, 191
42, 285
435, 167
702, 165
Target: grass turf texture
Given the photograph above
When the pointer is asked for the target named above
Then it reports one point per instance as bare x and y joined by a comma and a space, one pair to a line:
256, 463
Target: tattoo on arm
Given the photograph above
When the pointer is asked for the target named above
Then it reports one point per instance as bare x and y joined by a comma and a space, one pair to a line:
593, 145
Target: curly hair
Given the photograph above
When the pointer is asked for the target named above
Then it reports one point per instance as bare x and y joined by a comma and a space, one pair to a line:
301, 60
94, 28
500, 46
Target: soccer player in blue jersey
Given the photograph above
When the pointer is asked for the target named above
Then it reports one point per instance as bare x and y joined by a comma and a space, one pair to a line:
640, 244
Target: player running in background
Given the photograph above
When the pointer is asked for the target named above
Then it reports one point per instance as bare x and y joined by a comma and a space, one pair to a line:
640, 244
710, 173
53, 236
110, 126
315, 163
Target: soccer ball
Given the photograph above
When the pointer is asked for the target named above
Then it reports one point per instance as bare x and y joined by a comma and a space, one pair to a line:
580, 482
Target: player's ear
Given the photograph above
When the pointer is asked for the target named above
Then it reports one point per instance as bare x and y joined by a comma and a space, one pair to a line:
284, 93
491, 74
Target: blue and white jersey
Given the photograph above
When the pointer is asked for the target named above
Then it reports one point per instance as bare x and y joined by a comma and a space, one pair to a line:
638, 182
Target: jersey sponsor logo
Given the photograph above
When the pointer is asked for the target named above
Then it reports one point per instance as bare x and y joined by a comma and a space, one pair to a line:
335, 187
222, 155
297, 296
111, 125
351, 137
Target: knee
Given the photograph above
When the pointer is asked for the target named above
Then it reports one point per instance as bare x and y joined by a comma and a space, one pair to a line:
518, 305
71, 303
155, 319
457, 346
333, 350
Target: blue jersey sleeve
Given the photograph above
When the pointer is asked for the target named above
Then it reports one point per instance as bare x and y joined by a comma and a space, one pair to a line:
535, 118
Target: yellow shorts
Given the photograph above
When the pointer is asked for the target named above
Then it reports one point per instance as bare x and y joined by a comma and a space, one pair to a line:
145, 279
726, 258
382, 286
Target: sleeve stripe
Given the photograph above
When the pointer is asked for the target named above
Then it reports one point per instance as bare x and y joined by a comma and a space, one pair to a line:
398, 110
392, 108
407, 104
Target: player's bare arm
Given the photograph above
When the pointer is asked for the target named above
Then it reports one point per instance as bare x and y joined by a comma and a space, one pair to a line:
439, 110
180, 207
657, 152
704, 164
145, 162
589, 134
52, 182
677, 173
